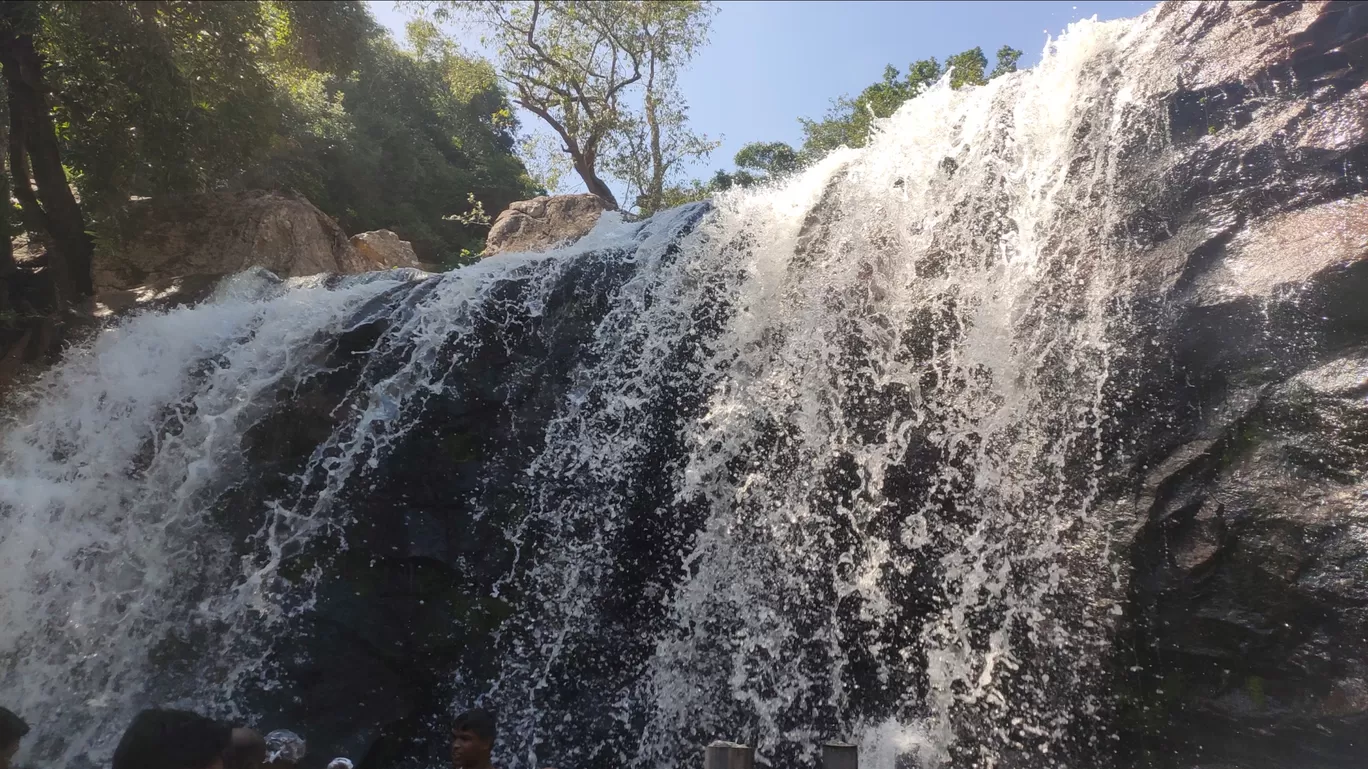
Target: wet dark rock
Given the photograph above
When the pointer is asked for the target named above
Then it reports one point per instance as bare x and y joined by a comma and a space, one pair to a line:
1239, 482
1247, 617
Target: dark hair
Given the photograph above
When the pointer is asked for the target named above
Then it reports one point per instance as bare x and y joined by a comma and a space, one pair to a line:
171, 739
12, 727
479, 722
247, 749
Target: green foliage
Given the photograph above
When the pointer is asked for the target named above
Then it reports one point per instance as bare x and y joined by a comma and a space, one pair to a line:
649, 150
848, 122
400, 143
722, 180
650, 146
757, 162
159, 99
546, 163
773, 159
601, 76
475, 216
967, 68
679, 194
155, 98
1007, 58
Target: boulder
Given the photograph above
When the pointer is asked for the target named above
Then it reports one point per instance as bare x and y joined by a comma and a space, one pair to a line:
384, 250
221, 233
161, 295
543, 223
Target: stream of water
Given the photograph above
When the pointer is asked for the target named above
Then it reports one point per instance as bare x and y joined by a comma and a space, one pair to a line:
859, 417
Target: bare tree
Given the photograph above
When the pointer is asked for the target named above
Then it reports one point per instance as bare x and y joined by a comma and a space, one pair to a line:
572, 62
649, 148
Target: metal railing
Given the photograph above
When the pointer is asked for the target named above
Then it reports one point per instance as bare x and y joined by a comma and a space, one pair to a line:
732, 755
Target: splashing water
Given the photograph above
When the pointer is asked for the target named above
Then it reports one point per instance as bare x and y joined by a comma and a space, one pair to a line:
825, 460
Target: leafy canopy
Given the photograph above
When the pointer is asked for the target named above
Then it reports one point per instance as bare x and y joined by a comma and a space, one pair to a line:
156, 99
849, 120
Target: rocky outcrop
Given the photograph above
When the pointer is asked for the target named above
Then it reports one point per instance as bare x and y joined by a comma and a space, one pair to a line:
162, 295
223, 233
542, 223
384, 250
1248, 608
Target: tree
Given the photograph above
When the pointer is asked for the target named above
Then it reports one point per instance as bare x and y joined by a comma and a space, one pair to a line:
723, 180
401, 143
1007, 58
773, 159
679, 194
34, 151
573, 64
648, 149
161, 98
756, 163
849, 121
967, 68
545, 162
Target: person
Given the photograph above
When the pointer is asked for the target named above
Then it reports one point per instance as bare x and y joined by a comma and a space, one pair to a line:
12, 730
172, 739
472, 739
284, 749
246, 750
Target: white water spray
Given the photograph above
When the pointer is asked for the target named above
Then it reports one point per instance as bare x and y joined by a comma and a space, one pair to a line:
863, 411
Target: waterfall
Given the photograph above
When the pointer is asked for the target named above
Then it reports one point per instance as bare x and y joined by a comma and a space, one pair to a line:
821, 460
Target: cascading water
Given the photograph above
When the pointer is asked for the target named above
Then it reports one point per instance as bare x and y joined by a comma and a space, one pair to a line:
112, 556
885, 386
823, 460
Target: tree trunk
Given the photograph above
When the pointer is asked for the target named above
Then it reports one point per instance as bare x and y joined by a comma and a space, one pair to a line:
595, 185
655, 196
69, 255
584, 157
35, 221
8, 266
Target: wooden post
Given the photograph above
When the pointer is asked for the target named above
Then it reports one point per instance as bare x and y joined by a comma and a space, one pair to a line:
728, 755
840, 755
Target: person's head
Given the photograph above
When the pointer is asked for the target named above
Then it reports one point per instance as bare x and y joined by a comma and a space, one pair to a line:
172, 739
12, 730
472, 739
284, 748
247, 750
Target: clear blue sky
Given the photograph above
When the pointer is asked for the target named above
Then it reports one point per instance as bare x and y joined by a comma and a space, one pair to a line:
770, 62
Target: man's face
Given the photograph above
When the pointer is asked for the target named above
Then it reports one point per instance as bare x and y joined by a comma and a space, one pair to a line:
7, 754
468, 750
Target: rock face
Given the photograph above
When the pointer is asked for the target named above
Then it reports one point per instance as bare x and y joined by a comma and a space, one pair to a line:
222, 233
1249, 595
384, 250
161, 295
541, 223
